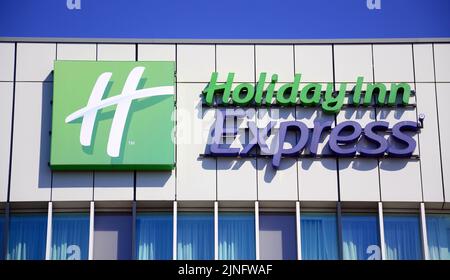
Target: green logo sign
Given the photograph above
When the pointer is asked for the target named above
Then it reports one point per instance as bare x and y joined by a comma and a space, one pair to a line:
113, 115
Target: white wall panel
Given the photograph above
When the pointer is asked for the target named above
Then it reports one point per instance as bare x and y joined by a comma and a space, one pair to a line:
393, 63
76, 52
35, 62
314, 62
430, 157
317, 179
352, 61
443, 99
278, 184
442, 62
30, 173
7, 62
423, 62
358, 177
6, 104
156, 52
400, 178
74, 186
155, 185
195, 63
196, 176
276, 59
114, 185
239, 59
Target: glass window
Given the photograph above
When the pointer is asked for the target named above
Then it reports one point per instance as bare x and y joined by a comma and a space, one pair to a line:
237, 236
195, 236
438, 231
27, 236
360, 237
112, 237
70, 236
402, 237
319, 236
2, 229
277, 236
154, 236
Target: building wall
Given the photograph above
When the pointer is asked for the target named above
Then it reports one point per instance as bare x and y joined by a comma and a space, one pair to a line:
25, 123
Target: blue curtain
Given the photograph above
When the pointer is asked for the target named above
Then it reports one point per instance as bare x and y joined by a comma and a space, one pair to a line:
27, 235
360, 237
402, 237
70, 237
195, 236
2, 228
237, 236
154, 236
319, 236
438, 229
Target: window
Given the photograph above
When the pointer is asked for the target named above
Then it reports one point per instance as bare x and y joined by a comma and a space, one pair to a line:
2, 230
154, 236
70, 236
319, 236
277, 236
27, 236
112, 237
360, 237
438, 229
237, 236
195, 236
402, 237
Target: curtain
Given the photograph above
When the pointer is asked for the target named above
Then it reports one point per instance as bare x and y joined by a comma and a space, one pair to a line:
70, 237
360, 237
402, 237
319, 236
154, 236
2, 231
195, 236
237, 236
438, 228
27, 235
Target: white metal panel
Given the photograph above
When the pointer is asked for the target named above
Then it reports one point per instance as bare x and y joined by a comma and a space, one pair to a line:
442, 62
35, 62
443, 99
236, 179
423, 62
358, 178
317, 180
76, 52
156, 52
314, 62
155, 185
7, 61
393, 63
116, 52
400, 180
30, 172
276, 59
430, 157
238, 59
196, 176
74, 186
352, 61
278, 184
195, 63
114, 185
6, 104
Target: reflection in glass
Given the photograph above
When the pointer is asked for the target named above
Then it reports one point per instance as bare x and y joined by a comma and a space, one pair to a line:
277, 236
